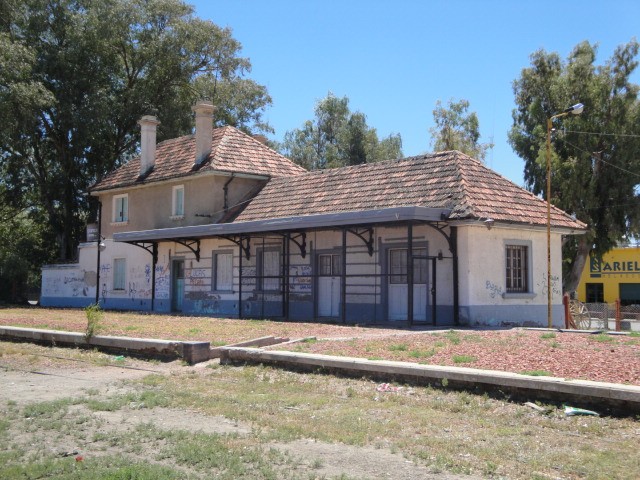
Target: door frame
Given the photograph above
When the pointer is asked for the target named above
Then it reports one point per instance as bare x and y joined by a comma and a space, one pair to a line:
174, 277
316, 278
385, 248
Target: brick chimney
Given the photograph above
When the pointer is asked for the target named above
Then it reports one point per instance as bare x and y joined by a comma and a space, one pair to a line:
148, 124
204, 129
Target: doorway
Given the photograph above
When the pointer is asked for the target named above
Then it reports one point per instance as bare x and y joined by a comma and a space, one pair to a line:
329, 275
177, 285
398, 284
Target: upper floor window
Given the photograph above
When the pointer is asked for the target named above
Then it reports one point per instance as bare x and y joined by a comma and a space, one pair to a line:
517, 274
177, 203
121, 208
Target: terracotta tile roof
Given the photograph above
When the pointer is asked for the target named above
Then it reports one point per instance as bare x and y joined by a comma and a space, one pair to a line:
442, 180
232, 151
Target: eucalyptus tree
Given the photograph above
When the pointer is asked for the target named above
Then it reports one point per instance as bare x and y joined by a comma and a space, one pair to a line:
595, 156
337, 137
75, 77
456, 129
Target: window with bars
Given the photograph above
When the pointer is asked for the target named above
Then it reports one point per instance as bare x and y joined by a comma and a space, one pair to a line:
517, 268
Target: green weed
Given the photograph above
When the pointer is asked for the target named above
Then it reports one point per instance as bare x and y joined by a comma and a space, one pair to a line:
95, 317
536, 373
463, 359
398, 347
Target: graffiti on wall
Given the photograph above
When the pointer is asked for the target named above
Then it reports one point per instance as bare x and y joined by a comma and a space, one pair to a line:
68, 283
494, 290
163, 282
300, 280
555, 284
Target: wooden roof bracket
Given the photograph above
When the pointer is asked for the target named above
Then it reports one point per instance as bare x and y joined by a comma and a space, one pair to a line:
302, 244
243, 242
360, 232
189, 243
151, 247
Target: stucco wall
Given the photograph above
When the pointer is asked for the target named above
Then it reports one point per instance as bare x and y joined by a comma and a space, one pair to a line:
151, 207
483, 297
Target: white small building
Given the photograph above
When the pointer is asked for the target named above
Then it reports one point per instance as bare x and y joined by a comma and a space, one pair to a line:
218, 224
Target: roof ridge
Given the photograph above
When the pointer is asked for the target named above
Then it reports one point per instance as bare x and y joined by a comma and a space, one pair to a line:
463, 182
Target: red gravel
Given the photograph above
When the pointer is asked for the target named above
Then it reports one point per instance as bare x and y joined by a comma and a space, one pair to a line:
603, 358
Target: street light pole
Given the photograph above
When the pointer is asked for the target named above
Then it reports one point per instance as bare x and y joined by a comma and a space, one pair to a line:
574, 110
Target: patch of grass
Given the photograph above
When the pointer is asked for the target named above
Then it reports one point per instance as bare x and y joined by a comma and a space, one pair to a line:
422, 353
554, 344
548, 335
453, 337
131, 328
603, 338
146, 399
194, 331
310, 340
398, 347
634, 334
46, 409
105, 468
463, 359
536, 373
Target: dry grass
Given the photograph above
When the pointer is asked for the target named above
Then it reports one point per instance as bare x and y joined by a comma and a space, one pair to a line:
568, 355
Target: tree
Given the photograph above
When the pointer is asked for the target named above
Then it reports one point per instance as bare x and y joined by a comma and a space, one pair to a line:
456, 129
337, 137
596, 156
76, 75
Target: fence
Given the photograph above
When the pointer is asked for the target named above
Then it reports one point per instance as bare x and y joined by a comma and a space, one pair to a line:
600, 316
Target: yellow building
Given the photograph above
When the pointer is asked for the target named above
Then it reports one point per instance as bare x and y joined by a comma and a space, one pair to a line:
615, 275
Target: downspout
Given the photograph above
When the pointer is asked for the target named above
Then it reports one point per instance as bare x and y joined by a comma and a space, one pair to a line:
453, 246
98, 257
226, 192
154, 253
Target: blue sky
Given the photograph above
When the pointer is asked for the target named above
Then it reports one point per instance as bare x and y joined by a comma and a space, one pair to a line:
394, 60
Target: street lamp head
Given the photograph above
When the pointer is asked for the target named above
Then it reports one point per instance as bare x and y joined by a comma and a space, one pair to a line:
575, 109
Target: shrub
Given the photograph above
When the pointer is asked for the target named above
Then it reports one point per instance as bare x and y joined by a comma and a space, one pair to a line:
94, 320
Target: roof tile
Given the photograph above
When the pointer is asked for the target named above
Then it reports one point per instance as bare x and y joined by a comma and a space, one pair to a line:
231, 150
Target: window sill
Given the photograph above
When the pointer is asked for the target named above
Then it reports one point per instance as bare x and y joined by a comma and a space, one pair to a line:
176, 217
222, 292
513, 296
119, 224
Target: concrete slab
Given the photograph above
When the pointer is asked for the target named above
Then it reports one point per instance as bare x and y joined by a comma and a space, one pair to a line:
191, 352
623, 399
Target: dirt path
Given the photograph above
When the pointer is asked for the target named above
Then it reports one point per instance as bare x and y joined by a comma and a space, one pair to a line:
30, 374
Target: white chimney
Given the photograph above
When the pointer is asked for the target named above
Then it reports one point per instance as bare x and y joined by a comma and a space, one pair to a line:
204, 129
148, 125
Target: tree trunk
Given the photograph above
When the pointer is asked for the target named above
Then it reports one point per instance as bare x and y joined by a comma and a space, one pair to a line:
582, 252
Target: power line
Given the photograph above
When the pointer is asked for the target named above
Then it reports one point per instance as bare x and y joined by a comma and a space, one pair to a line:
631, 135
603, 161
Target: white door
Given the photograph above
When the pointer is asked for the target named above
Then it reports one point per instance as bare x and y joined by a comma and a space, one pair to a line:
398, 286
329, 285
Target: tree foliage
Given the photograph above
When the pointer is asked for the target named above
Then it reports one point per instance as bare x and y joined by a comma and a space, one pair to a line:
596, 156
76, 75
456, 129
337, 137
